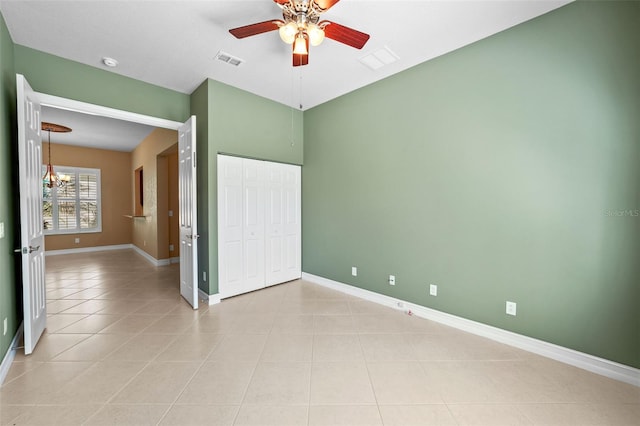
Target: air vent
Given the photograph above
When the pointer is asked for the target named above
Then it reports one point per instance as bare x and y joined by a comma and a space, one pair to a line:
379, 58
229, 59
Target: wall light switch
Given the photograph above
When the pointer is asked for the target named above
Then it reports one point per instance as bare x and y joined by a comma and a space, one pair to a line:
1, 229
170, 213
392, 280
171, 248
511, 308
354, 271
433, 289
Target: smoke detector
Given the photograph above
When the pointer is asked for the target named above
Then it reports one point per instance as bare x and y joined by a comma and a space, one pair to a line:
110, 62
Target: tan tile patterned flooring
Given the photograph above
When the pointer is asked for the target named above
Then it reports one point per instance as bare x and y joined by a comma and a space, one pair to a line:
123, 348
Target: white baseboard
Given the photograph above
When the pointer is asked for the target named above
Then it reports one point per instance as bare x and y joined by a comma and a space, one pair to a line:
88, 249
151, 259
147, 256
597, 365
10, 355
210, 299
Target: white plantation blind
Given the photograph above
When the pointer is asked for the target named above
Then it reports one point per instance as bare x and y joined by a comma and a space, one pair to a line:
75, 207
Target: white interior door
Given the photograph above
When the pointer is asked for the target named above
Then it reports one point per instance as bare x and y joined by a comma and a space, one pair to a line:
259, 241
188, 212
31, 227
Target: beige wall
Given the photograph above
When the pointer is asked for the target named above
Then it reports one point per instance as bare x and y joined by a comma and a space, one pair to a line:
147, 235
174, 223
168, 226
115, 188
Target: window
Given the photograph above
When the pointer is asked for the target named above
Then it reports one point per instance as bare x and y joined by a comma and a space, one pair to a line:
75, 207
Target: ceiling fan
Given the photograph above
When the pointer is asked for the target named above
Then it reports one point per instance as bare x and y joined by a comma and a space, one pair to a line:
301, 26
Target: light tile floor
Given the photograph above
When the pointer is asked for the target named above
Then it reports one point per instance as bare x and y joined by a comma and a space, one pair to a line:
122, 347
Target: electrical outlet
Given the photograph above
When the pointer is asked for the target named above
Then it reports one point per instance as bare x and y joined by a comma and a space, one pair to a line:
170, 213
511, 308
204, 276
1, 229
354, 271
4, 327
77, 240
171, 248
392, 280
433, 289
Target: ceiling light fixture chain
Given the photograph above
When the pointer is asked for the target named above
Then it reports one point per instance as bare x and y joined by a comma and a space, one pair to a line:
50, 178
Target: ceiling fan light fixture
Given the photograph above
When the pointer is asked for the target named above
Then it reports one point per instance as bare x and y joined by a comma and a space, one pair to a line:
288, 32
316, 34
300, 45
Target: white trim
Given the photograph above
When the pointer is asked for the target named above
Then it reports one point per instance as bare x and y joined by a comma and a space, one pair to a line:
210, 299
153, 260
174, 260
10, 355
147, 256
597, 365
87, 108
88, 249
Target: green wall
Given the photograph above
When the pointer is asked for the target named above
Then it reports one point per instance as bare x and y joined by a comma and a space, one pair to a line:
200, 108
69, 79
9, 308
247, 125
496, 172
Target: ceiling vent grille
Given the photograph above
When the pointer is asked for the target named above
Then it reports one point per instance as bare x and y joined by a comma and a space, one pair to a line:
229, 59
379, 58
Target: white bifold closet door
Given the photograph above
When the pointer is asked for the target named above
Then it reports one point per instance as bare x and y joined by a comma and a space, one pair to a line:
259, 228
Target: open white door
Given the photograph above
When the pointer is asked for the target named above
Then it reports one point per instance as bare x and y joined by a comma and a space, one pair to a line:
31, 228
188, 212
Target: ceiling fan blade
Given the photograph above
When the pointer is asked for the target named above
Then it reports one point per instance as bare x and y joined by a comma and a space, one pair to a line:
325, 5
298, 59
258, 28
346, 35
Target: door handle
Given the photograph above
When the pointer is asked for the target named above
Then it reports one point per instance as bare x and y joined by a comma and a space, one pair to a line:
193, 237
25, 250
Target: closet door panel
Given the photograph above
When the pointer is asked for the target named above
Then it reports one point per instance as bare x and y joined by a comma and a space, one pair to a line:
230, 238
283, 224
292, 223
253, 224
274, 224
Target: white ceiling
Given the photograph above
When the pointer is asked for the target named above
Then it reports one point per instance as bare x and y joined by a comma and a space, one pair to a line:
173, 44
94, 131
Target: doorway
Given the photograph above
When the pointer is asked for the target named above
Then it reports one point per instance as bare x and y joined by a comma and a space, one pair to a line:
29, 135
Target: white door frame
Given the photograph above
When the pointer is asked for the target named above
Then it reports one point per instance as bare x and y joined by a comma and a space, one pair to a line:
87, 108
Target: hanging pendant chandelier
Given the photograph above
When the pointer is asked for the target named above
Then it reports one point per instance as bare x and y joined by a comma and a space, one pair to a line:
50, 178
